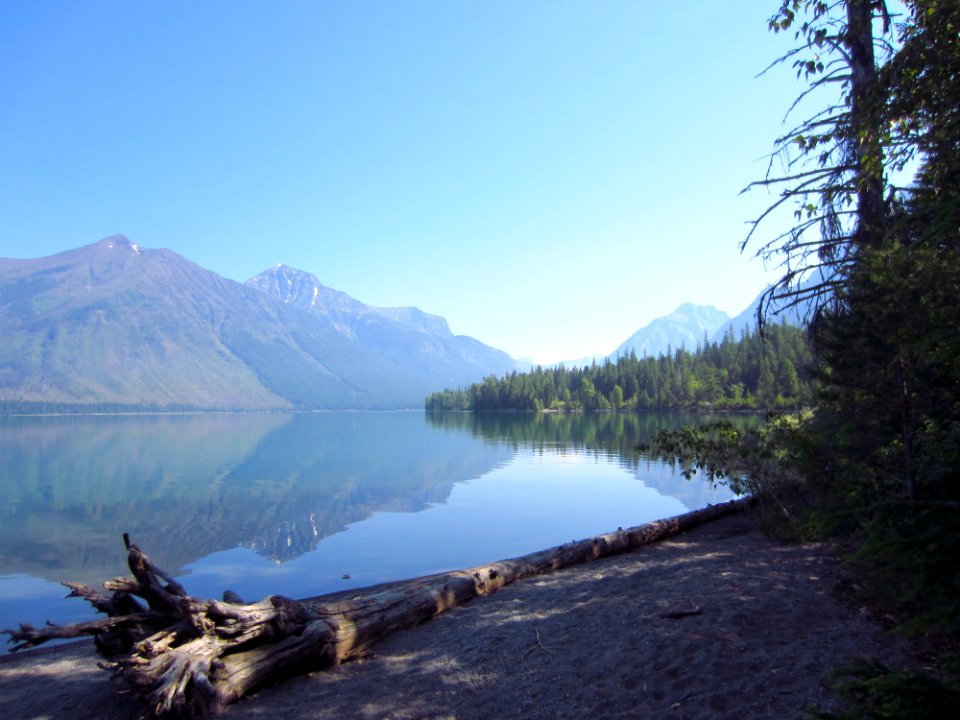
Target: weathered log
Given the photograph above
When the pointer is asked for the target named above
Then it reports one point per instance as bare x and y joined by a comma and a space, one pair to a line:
190, 657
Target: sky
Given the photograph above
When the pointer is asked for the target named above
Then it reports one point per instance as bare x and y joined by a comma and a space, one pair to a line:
548, 176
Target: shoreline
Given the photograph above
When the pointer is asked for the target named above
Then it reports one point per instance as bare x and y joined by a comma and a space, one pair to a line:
611, 638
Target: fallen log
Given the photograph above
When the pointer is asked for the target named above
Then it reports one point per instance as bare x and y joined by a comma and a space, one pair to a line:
190, 657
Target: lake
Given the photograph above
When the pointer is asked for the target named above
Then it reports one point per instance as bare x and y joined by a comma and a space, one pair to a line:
301, 504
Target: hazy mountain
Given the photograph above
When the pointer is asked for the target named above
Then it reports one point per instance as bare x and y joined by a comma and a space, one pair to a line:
688, 324
304, 291
684, 327
525, 364
776, 312
585, 361
415, 341
113, 323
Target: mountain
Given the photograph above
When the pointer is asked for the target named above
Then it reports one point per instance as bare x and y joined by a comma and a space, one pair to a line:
302, 290
113, 324
776, 312
684, 327
415, 342
689, 324
585, 361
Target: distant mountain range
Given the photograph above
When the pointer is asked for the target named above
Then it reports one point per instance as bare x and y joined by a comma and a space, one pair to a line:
775, 313
689, 325
686, 326
116, 325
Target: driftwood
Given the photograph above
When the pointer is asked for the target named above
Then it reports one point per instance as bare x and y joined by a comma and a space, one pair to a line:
686, 612
190, 657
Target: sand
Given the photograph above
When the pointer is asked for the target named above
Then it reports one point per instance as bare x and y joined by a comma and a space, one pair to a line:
600, 640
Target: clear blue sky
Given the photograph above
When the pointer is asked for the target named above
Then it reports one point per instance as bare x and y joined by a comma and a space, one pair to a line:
549, 176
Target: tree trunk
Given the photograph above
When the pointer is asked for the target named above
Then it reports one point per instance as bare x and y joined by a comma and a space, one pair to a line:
191, 657
867, 101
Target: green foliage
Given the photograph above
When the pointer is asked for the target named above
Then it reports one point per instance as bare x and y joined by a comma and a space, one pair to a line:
889, 372
887, 342
878, 459
754, 372
766, 462
877, 693
909, 557
716, 450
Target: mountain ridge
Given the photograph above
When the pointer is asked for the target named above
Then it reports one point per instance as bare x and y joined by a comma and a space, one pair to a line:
684, 327
746, 321
396, 333
690, 324
303, 290
114, 323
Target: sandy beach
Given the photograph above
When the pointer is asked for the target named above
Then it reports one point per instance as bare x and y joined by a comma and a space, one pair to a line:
719, 622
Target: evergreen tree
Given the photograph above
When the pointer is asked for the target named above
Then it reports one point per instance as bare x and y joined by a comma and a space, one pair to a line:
769, 370
883, 446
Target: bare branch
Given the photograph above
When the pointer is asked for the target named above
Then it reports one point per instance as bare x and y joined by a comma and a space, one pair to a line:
29, 636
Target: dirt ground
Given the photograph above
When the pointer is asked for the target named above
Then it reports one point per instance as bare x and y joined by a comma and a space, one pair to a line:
594, 641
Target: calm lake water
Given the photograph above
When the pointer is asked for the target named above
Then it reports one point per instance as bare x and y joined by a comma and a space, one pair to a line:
306, 503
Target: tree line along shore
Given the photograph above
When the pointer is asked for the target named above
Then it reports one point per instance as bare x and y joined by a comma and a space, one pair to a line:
757, 371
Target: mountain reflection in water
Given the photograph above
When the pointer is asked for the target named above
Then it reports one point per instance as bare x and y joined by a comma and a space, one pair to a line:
184, 486
195, 489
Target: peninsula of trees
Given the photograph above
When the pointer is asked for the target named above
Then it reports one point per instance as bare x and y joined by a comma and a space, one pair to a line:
757, 371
